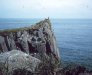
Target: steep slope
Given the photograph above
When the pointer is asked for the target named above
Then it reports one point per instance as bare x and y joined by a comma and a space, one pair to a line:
37, 41
38, 38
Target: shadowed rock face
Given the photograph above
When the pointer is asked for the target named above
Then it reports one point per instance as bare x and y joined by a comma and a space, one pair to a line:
76, 70
37, 39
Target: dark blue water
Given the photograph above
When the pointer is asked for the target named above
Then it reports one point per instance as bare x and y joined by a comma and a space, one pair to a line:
74, 37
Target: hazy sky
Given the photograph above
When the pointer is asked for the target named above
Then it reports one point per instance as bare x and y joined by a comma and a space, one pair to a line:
45, 8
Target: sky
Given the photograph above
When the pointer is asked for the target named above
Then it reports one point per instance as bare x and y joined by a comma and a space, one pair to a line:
46, 8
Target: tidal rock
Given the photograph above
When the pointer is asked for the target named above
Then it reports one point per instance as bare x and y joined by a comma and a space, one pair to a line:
76, 70
16, 59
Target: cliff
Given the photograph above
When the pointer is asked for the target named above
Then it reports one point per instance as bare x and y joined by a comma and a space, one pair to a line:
33, 51
38, 38
37, 41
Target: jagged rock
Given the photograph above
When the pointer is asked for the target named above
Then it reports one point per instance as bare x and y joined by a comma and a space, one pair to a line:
15, 59
38, 38
3, 46
76, 70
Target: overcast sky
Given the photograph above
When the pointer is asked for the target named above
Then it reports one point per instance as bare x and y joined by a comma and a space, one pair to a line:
45, 8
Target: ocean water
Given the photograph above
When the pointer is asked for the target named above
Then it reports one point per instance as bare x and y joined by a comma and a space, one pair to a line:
74, 37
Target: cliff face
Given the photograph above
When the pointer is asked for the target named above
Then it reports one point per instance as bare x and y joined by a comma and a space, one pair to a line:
36, 40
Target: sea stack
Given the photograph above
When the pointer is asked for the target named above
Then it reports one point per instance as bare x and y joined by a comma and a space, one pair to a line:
37, 41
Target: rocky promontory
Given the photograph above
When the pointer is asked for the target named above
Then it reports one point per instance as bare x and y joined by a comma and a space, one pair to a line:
30, 49
33, 51
38, 38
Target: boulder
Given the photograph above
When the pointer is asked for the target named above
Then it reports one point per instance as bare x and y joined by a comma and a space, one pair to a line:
16, 59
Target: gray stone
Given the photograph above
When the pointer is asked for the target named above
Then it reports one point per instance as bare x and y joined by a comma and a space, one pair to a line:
18, 60
38, 38
3, 44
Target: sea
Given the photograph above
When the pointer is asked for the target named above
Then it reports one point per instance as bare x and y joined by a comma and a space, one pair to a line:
74, 37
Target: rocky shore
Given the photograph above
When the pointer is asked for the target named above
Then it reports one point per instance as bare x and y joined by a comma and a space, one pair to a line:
33, 51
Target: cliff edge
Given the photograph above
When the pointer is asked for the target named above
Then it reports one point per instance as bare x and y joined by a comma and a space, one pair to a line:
34, 39
37, 41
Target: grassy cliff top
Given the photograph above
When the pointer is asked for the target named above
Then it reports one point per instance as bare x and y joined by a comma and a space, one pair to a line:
35, 26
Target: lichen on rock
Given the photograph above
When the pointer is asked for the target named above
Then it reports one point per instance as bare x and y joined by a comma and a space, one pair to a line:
16, 59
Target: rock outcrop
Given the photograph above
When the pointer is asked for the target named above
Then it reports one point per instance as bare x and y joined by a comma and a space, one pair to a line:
38, 38
76, 70
15, 59
21, 47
